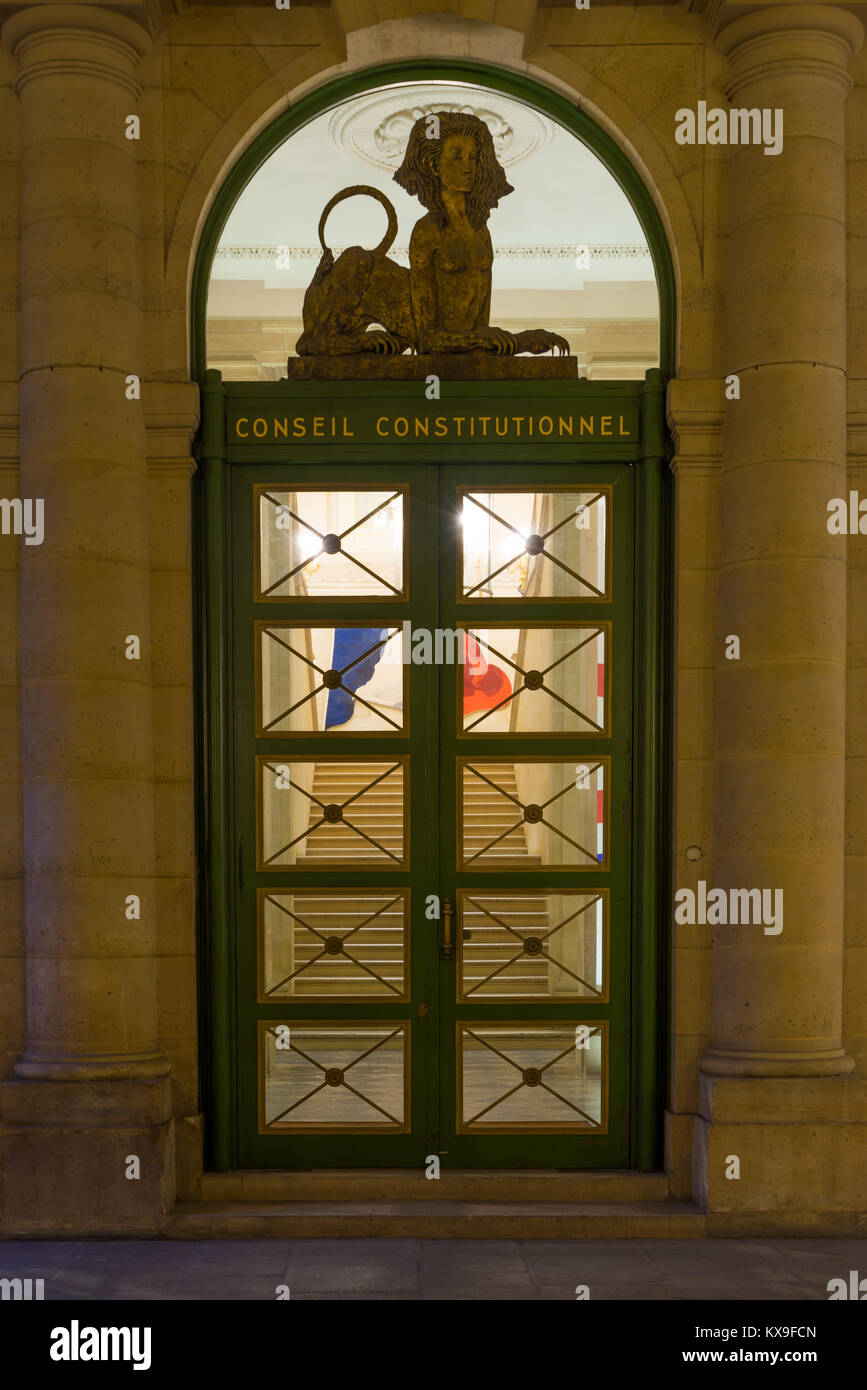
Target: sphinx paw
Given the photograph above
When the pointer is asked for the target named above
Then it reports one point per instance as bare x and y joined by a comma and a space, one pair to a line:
377, 340
540, 340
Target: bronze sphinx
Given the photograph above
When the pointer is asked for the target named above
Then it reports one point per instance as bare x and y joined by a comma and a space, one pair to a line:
363, 302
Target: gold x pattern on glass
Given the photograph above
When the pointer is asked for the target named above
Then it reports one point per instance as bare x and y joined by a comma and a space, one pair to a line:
329, 949
524, 550
535, 817
530, 1076
331, 1079
335, 685
327, 542
486, 714
541, 937
330, 814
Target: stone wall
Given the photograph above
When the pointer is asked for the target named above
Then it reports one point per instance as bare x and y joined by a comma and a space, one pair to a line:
96, 789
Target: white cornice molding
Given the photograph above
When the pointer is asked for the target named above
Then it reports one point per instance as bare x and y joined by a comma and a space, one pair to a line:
601, 252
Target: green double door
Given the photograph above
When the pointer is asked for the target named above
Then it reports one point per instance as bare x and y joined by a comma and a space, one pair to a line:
432, 697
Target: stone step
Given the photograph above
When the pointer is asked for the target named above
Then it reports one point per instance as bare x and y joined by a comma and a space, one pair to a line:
372, 951
438, 1220
338, 911
455, 1184
375, 931
371, 827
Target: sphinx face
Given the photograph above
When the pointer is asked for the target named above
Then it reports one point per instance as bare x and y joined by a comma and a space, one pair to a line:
458, 164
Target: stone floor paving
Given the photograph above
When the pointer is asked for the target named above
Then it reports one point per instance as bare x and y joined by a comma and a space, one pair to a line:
465, 1270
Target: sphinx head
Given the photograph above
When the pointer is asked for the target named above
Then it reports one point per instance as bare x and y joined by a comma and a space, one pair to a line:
462, 159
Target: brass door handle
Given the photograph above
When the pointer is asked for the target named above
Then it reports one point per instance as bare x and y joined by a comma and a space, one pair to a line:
448, 928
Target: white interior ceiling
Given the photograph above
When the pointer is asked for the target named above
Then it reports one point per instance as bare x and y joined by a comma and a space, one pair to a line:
564, 199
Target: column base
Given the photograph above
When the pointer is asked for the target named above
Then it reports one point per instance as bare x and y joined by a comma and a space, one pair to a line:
108, 1066
64, 1155
801, 1147
718, 1061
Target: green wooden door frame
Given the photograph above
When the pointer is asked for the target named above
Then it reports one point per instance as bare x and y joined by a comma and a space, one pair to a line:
227, 405
652, 765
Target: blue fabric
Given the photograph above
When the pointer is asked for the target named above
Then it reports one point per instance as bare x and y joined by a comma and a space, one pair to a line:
350, 642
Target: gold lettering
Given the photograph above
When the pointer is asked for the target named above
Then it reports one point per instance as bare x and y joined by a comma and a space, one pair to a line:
505, 429
401, 433
459, 420
517, 421
565, 426
625, 434
546, 419
483, 421
347, 432
441, 426
418, 427
299, 429
242, 420
606, 420
281, 429
383, 419
260, 433
318, 426
587, 423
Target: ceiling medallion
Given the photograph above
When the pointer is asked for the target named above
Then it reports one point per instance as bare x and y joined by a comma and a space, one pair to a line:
391, 134
376, 130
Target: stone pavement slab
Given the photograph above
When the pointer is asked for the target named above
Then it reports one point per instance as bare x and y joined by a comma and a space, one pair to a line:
434, 1270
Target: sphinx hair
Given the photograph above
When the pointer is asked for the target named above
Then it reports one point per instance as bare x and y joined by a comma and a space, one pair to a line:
419, 172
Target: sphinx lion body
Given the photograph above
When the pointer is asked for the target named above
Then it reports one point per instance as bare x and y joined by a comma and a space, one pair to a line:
362, 302
347, 297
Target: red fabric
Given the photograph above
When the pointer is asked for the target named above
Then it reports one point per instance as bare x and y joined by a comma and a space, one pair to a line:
484, 685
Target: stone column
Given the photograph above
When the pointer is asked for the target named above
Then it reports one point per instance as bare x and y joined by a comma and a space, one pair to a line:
87, 708
782, 590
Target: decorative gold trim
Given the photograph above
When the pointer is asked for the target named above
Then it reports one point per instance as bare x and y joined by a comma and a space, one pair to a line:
396, 597
387, 862
311, 625
391, 997
603, 626
476, 866
462, 600
594, 894
529, 1126
399, 1025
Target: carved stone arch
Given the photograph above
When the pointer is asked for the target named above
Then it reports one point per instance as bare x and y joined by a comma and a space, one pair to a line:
644, 165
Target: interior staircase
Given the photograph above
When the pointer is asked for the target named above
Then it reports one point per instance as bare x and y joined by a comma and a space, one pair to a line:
487, 947
487, 814
379, 813
379, 947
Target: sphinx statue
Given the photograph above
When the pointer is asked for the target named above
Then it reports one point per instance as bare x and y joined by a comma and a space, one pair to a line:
363, 302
